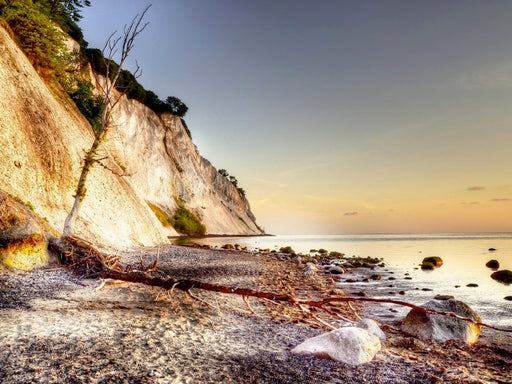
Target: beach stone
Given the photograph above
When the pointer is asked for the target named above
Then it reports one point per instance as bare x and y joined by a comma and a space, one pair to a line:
508, 298
492, 249
436, 261
472, 285
443, 328
310, 269
503, 276
335, 270
494, 264
427, 266
228, 246
350, 345
372, 327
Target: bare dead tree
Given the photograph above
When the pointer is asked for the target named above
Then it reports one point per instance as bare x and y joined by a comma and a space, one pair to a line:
88, 261
115, 44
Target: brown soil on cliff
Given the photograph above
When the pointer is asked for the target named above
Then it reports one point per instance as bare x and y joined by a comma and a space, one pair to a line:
57, 328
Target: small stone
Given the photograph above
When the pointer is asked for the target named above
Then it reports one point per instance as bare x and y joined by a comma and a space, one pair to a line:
375, 277
427, 289
391, 278
362, 294
509, 298
493, 264
472, 285
408, 278
492, 249
402, 292
427, 266
436, 260
335, 270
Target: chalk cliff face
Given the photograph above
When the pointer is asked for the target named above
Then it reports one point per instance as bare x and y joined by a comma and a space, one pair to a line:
43, 137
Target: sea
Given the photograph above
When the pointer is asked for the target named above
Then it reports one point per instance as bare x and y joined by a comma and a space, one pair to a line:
464, 257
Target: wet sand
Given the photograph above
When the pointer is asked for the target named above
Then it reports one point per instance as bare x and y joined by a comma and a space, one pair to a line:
55, 328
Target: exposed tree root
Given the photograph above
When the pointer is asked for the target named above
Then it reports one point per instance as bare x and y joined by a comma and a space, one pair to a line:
88, 261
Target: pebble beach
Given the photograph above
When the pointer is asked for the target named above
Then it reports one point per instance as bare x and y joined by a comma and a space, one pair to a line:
56, 327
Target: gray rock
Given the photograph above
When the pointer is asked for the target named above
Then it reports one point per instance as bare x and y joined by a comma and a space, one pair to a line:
372, 327
310, 269
349, 345
442, 328
335, 270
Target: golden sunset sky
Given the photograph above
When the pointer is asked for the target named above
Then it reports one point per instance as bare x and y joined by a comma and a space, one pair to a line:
341, 117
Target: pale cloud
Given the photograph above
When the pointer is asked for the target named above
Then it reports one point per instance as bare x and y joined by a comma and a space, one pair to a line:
476, 188
503, 200
497, 77
469, 202
350, 213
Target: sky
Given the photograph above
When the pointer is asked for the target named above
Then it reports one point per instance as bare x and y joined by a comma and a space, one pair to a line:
340, 117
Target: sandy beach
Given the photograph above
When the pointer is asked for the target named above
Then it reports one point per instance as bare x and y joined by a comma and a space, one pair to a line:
58, 328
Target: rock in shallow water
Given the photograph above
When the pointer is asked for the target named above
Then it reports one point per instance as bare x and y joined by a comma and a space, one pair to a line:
503, 276
443, 328
494, 264
431, 262
349, 345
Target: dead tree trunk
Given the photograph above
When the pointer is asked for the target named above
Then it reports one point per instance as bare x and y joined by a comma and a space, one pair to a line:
106, 87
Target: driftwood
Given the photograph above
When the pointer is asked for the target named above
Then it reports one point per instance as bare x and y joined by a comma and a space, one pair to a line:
82, 256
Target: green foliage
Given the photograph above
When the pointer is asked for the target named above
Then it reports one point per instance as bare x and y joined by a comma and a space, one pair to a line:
183, 220
161, 215
34, 32
287, 249
91, 106
188, 223
233, 180
176, 106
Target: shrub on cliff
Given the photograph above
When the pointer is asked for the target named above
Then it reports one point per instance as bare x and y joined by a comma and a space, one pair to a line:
188, 223
34, 32
91, 106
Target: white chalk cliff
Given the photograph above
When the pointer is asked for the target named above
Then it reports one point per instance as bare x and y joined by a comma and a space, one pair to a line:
43, 137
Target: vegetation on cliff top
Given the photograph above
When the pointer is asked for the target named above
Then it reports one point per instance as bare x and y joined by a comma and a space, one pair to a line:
233, 180
34, 26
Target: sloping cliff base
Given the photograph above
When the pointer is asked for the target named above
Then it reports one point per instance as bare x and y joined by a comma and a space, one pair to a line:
55, 327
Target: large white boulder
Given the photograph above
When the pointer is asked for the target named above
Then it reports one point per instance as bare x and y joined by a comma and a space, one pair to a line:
440, 327
349, 345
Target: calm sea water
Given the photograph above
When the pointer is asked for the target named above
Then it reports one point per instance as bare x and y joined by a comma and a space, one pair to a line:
464, 257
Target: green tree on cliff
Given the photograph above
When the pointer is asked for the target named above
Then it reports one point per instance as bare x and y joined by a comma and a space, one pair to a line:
34, 32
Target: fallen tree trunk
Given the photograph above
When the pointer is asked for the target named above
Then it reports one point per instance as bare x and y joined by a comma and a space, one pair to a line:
88, 261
